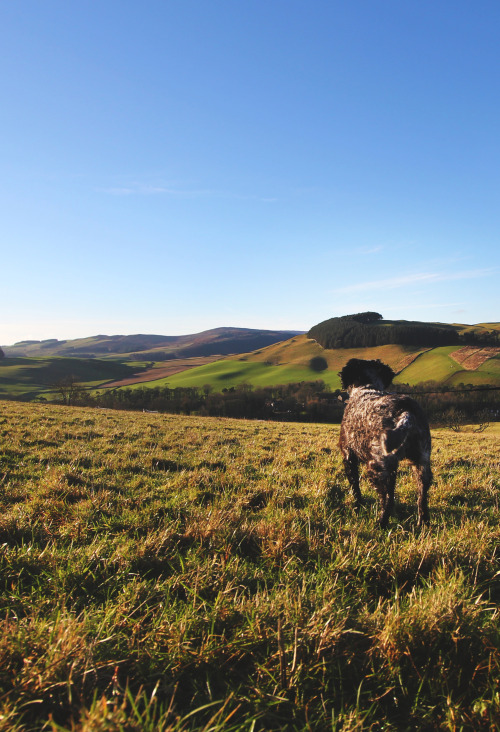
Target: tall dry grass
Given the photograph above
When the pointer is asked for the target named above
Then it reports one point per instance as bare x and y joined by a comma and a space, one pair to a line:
175, 573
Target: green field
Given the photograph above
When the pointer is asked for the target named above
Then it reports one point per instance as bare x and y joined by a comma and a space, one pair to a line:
31, 378
487, 373
231, 372
434, 365
176, 573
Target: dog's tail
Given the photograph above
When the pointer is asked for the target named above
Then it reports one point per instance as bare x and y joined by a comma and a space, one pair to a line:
393, 441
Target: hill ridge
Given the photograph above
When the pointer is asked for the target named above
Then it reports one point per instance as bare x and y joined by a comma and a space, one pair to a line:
215, 341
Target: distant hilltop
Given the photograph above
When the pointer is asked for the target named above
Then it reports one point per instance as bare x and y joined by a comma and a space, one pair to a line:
360, 330
218, 341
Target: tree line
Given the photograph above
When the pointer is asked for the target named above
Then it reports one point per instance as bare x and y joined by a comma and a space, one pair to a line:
308, 401
304, 401
453, 407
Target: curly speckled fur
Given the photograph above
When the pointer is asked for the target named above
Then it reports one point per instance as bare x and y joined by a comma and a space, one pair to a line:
380, 429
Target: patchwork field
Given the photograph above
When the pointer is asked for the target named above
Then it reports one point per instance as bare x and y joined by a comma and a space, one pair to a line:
288, 362
175, 573
470, 357
441, 364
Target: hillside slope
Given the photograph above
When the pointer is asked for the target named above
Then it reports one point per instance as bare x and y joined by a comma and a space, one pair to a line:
29, 378
290, 361
218, 341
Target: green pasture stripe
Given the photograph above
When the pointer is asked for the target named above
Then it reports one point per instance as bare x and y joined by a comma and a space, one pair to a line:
228, 373
433, 365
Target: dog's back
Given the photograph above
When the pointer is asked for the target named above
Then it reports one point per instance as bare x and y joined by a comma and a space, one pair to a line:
380, 429
385, 424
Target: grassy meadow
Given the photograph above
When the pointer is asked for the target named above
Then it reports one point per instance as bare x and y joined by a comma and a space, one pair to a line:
31, 378
164, 572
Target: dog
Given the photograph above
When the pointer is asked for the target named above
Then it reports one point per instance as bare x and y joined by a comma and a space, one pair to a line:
379, 429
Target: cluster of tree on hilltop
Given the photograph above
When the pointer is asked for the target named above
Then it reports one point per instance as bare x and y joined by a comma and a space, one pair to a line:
364, 330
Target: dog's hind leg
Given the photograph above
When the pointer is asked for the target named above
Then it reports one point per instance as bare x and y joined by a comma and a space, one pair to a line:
423, 477
351, 467
383, 479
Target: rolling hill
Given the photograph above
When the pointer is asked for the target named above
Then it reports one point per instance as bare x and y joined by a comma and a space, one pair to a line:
218, 341
30, 369
296, 359
370, 329
293, 360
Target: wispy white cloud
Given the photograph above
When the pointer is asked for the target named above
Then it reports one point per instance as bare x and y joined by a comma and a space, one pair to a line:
370, 250
116, 191
430, 306
141, 189
417, 278
144, 189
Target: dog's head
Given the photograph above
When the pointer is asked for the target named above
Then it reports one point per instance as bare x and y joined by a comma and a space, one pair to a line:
358, 372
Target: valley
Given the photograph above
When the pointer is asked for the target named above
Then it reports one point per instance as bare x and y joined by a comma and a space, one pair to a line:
222, 358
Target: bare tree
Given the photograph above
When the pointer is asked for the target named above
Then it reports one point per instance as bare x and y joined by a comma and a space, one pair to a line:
455, 419
484, 421
69, 389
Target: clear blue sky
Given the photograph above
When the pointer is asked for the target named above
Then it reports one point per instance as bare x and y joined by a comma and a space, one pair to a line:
175, 165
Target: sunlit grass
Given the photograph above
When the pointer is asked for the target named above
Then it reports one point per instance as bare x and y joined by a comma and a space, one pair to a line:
177, 573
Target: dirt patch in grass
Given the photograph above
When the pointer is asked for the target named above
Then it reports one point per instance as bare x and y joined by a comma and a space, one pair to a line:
161, 372
471, 357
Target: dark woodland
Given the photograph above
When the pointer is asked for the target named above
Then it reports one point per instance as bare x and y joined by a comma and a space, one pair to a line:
368, 330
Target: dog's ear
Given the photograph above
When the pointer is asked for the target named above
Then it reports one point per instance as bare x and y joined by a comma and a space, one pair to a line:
384, 372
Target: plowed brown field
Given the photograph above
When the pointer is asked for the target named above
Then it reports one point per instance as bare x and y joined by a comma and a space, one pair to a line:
470, 357
161, 372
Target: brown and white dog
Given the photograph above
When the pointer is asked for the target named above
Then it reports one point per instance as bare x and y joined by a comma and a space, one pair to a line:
380, 429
